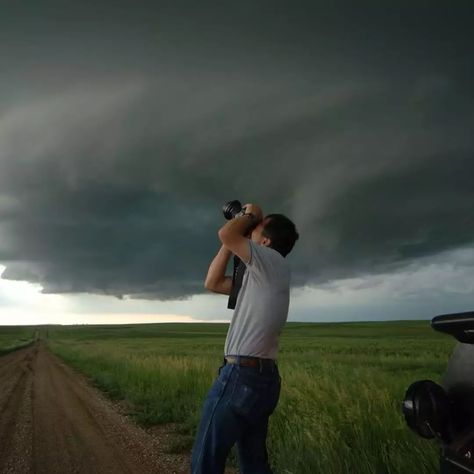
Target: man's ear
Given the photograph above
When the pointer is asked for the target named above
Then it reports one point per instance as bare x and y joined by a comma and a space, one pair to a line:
266, 242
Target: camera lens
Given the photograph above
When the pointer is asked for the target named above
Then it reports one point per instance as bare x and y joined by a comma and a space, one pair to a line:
231, 209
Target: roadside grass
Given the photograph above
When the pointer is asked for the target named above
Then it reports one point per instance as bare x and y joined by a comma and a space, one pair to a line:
15, 337
340, 406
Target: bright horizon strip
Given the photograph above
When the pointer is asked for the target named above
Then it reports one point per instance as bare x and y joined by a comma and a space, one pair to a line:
24, 319
27, 306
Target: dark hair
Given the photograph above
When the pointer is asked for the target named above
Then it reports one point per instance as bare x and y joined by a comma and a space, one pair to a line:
281, 231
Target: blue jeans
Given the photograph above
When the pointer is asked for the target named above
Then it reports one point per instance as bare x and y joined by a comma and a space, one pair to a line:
236, 410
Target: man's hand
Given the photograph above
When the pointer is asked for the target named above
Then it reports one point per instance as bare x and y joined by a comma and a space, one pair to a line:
255, 210
236, 232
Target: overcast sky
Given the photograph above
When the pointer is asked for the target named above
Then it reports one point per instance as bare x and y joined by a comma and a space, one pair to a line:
124, 127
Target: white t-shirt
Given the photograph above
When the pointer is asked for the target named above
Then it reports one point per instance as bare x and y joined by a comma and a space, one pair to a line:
261, 308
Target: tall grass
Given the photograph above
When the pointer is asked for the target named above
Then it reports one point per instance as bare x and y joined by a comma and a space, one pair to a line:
15, 337
340, 407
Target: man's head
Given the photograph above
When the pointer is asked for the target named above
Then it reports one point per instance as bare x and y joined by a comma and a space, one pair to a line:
277, 232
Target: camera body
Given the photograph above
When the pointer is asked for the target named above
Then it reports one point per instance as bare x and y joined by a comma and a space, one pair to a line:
446, 412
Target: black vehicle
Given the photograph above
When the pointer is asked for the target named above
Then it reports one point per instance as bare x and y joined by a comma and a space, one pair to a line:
446, 412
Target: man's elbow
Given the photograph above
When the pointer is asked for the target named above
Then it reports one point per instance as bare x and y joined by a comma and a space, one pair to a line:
210, 285
222, 235
227, 240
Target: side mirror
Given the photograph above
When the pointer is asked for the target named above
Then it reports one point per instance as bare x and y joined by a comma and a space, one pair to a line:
427, 410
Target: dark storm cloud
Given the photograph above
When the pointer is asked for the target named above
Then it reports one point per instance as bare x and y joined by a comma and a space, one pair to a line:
124, 128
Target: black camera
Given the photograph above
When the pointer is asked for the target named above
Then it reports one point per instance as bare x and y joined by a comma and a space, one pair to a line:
446, 412
232, 209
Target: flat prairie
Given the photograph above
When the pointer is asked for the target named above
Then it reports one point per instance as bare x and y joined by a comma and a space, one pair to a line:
342, 387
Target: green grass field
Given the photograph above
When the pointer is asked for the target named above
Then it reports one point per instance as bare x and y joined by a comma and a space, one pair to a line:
340, 407
15, 337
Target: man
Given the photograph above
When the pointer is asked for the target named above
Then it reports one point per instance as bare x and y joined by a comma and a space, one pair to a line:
247, 389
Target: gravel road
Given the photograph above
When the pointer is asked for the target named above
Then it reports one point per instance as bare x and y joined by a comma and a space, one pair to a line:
53, 422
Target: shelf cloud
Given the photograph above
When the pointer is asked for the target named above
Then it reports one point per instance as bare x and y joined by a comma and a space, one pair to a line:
124, 128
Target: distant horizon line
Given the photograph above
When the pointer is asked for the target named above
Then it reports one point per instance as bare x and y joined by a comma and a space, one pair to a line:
380, 321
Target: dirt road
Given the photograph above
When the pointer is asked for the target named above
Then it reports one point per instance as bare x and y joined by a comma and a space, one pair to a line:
53, 422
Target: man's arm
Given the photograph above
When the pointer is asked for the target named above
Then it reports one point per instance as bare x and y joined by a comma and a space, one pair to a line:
233, 234
216, 280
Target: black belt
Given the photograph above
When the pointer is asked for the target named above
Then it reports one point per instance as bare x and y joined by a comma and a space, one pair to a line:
255, 362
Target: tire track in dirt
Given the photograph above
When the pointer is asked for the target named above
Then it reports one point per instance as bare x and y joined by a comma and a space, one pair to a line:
53, 422
15, 413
